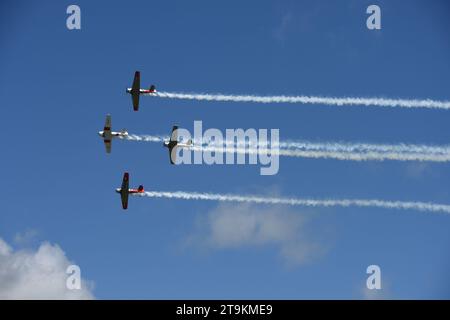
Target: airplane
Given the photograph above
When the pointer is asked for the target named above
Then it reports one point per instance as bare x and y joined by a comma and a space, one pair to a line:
173, 143
107, 134
136, 90
125, 191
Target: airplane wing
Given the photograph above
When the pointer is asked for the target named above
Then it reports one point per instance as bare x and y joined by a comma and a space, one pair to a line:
137, 81
135, 99
125, 181
124, 197
173, 154
124, 190
107, 145
135, 90
174, 135
107, 123
107, 133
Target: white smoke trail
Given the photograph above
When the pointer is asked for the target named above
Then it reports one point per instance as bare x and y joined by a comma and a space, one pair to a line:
420, 206
331, 101
145, 138
360, 148
364, 147
322, 146
324, 154
338, 151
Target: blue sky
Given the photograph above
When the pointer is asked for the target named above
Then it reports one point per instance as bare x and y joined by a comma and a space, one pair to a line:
56, 86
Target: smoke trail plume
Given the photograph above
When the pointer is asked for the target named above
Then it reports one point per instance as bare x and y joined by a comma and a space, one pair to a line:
314, 150
145, 138
325, 154
420, 206
330, 101
365, 147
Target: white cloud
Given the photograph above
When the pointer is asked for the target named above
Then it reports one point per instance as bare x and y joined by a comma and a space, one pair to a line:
4, 248
245, 225
39, 274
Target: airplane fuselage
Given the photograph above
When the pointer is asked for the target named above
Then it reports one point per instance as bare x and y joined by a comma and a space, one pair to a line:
141, 91
110, 134
130, 191
172, 144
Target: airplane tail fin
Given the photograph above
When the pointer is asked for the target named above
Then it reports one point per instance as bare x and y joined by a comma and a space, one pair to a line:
152, 88
141, 188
